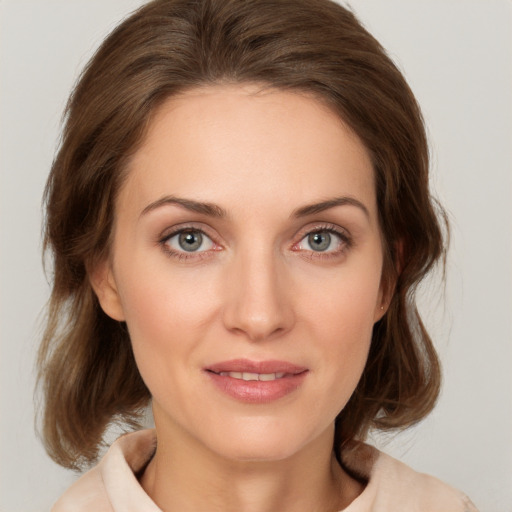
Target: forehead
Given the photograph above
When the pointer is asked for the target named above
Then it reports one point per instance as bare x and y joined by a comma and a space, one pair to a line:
220, 143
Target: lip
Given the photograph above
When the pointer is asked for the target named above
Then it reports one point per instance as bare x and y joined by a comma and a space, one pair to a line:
246, 365
256, 391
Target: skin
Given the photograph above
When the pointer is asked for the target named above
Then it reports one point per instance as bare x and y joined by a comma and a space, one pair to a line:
256, 289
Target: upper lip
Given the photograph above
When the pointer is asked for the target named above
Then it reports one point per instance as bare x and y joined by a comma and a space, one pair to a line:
264, 367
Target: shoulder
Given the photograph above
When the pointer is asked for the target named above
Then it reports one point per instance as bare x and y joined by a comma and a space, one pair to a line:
112, 485
392, 485
87, 493
417, 491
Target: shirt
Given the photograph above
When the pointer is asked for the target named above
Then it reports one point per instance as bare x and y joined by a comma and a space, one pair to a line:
112, 485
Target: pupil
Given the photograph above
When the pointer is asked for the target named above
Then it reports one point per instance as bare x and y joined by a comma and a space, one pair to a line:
190, 241
319, 241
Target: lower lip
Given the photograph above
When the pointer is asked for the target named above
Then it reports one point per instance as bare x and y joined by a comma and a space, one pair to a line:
256, 391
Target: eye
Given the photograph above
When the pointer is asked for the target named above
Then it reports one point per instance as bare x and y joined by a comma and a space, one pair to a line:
323, 241
189, 241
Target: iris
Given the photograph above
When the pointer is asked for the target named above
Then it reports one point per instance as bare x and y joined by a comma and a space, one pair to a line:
319, 241
190, 240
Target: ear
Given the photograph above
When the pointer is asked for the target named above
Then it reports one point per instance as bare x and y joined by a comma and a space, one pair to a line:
383, 301
390, 272
104, 285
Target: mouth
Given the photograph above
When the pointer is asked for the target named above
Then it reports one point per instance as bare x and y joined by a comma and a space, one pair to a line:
256, 381
237, 368
247, 376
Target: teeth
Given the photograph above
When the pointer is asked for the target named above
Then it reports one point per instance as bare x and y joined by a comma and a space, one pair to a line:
253, 376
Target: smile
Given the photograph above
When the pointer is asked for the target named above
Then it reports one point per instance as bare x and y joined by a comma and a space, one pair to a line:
247, 369
253, 376
256, 382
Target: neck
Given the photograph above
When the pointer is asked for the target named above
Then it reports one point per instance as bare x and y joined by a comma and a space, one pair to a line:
186, 476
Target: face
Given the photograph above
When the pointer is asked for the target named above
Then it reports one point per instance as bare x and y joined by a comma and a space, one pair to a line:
246, 262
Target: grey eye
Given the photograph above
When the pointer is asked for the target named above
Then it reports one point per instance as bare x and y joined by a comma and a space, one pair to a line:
190, 241
319, 241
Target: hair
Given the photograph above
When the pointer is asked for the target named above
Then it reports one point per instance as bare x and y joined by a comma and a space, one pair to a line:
87, 371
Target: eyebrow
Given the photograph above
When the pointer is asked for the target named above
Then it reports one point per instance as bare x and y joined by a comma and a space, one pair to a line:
311, 209
210, 209
213, 210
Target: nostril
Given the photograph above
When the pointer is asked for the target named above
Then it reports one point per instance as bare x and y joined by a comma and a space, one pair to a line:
257, 304
259, 332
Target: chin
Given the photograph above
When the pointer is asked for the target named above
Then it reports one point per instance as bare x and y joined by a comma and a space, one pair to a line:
264, 443
260, 450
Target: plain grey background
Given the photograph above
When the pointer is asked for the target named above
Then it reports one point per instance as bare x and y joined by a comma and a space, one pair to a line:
457, 56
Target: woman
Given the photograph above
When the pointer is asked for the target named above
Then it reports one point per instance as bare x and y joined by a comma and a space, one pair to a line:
239, 214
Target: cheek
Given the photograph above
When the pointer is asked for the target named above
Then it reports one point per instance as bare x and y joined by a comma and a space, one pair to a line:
345, 302
166, 310
346, 337
157, 295
341, 318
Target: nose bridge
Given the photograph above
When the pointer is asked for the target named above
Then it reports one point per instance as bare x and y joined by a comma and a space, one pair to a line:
258, 303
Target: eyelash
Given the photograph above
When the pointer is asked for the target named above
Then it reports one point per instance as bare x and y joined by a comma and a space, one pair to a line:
345, 243
183, 255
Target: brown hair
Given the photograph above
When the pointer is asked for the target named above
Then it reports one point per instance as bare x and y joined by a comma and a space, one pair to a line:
86, 366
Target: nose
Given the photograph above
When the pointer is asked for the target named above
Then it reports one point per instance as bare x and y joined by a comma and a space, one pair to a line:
258, 300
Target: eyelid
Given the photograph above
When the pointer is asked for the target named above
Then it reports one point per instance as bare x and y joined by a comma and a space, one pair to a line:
187, 226
175, 230
343, 234
322, 226
345, 240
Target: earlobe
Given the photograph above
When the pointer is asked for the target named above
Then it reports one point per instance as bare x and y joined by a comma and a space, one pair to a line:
386, 294
380, 311
103, 283
389, 279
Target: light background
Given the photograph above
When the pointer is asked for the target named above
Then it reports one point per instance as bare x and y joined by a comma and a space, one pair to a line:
457, 56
